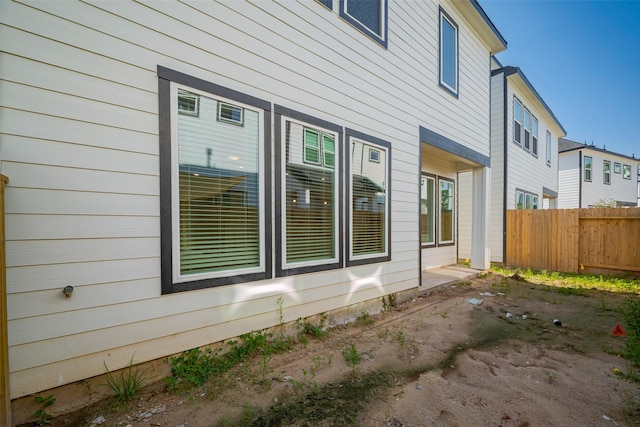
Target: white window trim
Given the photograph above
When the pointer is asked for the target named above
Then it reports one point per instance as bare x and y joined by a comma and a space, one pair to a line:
627, 167
283, 203
387, 209
518, 120
548, 148
434, 206
606, 174
590, 169
175, 190
441, 242
196, 109
454, 90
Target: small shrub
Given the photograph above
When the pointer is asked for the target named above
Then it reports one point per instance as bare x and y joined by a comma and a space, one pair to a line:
352, 357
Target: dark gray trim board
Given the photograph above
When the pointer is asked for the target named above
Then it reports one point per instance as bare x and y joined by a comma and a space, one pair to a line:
505, 157
434, 139
281, 111
165, 77
549, 192
580, 179
419, 213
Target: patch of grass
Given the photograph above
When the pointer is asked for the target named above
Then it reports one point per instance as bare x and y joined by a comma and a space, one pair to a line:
630, 309
402, 340
336, 404
617, 284
316, 331
126, 385
365, 318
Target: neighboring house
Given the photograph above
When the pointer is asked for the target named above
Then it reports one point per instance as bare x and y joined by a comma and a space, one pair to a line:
191, 168
524, 151
589, 175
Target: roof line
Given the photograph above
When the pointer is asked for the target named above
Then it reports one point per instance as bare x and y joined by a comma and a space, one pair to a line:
595, 148
486, 18
510, 70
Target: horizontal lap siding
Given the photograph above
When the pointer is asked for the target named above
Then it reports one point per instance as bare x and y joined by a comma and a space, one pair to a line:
496, 234
620, 189
80, 146
569, 180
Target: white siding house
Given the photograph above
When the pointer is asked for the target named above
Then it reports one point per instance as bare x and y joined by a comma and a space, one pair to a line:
589, 175
524, 151
185, 167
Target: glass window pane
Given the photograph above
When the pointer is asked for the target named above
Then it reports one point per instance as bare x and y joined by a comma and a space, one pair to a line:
218, 191
626, 171
446, 223
367, 12
519, 200
368, 200
427, 210
448, 53
310, 207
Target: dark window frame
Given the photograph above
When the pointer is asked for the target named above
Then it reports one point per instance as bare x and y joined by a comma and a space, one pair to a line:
281, 112
386, 146
455, 91
165, 79
589, 169
380, 37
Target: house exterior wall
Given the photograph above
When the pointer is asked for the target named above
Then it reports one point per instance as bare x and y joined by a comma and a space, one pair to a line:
465, 214
525, 171
569, 180
80, 134
497, 166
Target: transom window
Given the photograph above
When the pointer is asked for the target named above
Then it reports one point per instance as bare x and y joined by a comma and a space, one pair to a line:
369, 16
448, 53
587, 168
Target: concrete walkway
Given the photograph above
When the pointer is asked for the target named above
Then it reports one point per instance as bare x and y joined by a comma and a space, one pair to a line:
446, 275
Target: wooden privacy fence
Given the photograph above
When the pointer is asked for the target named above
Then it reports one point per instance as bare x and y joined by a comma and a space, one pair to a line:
594, 240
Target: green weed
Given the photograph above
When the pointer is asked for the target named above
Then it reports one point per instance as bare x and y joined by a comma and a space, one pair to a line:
126, 385
41, 415
352, 357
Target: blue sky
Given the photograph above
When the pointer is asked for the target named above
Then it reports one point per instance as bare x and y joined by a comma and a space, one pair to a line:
583, 58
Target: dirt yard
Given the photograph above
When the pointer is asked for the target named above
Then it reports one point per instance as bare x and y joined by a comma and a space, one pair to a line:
438, 360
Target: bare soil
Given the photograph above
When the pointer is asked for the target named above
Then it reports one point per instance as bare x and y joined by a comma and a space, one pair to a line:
438, 360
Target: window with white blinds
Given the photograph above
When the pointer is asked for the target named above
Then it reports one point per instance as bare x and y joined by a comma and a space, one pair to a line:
369, 210
311, 205
218, 216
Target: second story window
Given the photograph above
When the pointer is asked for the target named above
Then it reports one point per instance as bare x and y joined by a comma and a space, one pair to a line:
448, 53
369, 16
607, 172
534, 137
527, 130
517, 121
548, 148
587, 168
626, 171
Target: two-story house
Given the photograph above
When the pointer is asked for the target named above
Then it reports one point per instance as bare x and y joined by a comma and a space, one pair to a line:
192, 170
591, 176
524, 155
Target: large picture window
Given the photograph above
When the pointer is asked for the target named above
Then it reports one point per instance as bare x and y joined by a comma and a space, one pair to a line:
311, 201
446, 220
448, 53
212, 184
428, 210
369, 199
